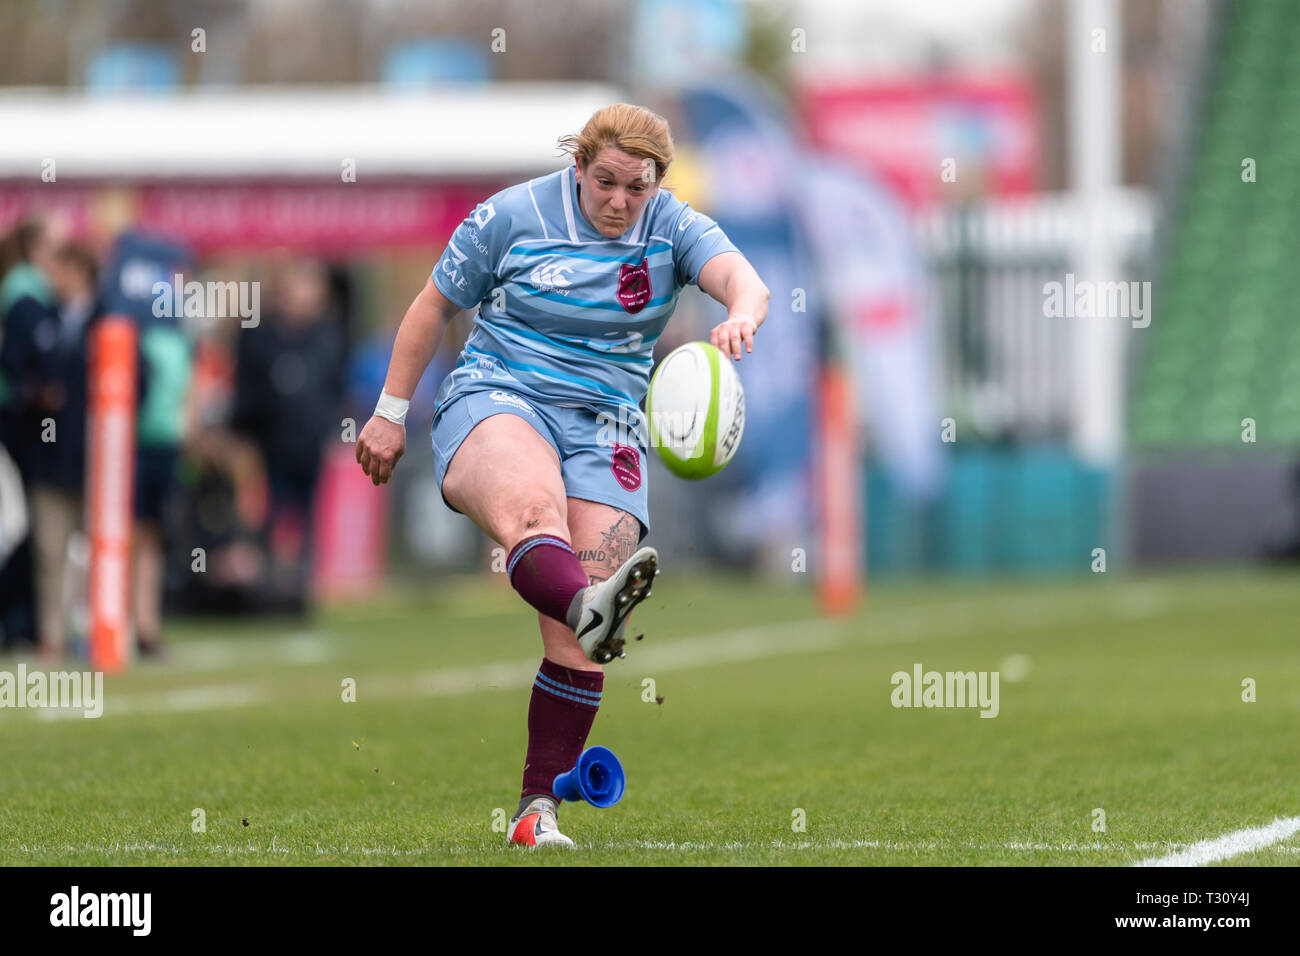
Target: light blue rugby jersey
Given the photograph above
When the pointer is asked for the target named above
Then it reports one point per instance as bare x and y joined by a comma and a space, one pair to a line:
570, 316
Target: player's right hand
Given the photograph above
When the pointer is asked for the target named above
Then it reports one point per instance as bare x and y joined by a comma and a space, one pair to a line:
379, 446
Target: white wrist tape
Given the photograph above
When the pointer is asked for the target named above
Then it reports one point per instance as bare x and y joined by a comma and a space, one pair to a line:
392, 408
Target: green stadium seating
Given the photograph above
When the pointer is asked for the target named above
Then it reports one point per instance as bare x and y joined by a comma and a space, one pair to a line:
1224, 342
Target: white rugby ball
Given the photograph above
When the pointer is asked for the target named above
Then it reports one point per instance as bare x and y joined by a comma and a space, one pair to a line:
696, 408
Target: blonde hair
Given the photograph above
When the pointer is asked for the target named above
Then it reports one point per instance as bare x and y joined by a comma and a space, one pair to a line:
633, 129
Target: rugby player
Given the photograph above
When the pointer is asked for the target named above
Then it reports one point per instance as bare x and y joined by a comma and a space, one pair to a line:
574, 275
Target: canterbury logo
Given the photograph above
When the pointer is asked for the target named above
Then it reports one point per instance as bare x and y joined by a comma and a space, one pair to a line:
545, 276
505, 398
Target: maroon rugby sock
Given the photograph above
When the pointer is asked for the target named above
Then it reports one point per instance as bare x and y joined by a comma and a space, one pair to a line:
548, 575
560, 715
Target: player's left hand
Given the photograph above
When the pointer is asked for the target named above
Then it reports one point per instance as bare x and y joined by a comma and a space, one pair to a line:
730, 335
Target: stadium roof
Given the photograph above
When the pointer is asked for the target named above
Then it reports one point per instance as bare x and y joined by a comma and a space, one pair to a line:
497, 129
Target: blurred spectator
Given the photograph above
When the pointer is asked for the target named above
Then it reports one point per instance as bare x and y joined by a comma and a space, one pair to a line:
166, 362
289, 390
28, 322
58, 466
227, 494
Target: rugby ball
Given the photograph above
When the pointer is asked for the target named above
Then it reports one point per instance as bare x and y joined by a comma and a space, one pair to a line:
696, 409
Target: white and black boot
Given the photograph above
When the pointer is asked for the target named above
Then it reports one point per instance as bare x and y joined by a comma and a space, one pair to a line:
604, 607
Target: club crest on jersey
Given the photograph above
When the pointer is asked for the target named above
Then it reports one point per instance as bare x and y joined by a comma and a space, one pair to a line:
627, 466
634, 288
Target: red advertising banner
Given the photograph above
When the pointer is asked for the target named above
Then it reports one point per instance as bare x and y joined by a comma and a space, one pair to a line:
351, 523
932, 139
319, 218
839, 483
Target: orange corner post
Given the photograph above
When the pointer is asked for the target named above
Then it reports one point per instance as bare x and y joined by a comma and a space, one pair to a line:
110, 470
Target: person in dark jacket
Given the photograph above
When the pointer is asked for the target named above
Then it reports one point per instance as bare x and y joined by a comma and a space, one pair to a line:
166, 363
288, 396
58, 465
28, 323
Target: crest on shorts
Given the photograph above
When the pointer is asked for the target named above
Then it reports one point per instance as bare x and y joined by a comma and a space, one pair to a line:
627, 466
634, 286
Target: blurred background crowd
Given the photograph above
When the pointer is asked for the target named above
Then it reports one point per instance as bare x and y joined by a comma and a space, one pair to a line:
230, 437
909, 179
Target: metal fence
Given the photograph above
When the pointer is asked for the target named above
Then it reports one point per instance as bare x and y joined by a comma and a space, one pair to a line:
1007, 364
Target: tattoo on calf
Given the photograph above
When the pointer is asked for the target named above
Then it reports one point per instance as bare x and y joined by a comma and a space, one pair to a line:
618, 543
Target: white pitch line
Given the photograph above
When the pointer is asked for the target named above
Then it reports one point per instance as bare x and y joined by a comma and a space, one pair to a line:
300, 647
1229, 845
903, 625
721, 647
189, 700
803, 636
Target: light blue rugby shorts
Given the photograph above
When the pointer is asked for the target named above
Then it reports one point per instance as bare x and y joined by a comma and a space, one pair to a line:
599, 460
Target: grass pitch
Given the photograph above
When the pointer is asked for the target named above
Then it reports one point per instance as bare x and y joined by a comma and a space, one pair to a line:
1127, 699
